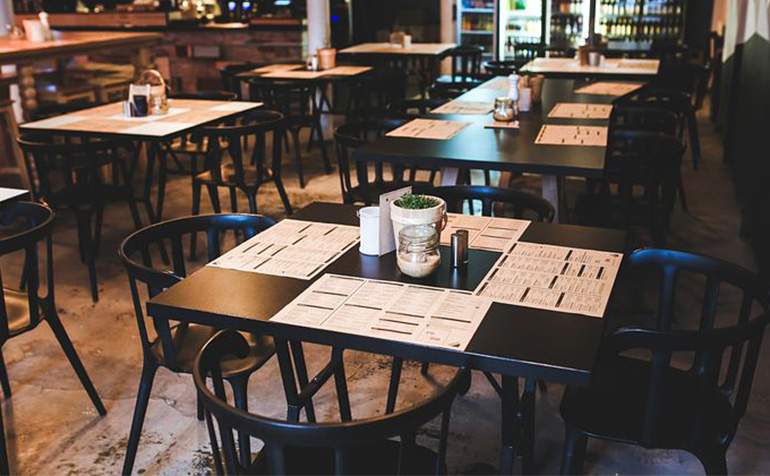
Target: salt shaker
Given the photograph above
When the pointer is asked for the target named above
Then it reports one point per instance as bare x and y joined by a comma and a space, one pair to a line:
513, 92
459, 249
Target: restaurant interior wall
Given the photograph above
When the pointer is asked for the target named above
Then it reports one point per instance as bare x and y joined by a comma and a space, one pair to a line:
375, 20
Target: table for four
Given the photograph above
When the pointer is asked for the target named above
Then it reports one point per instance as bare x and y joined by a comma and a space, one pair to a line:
511, 340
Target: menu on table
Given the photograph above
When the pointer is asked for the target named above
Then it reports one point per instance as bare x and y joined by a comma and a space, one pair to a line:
553, 277
464, 107
291, 248
581, 111
428, 129
402, 312
572, 135
347, 70
486, 233
273, 68
605, 88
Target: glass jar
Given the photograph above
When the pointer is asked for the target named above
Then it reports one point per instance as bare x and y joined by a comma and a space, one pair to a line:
158, 102
418, 251
504, 110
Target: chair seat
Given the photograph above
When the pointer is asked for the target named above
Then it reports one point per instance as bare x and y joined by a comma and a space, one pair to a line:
370, 193
614, 406
190, 339
379, 458
228, 174
17, 306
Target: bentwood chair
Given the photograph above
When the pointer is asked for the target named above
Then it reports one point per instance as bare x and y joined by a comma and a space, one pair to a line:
229, 74
641, 177
365, 189
377, 93
176, 345
29, 225
230, 166
69, 176
364, 446
299, 102
667, 388
466, 68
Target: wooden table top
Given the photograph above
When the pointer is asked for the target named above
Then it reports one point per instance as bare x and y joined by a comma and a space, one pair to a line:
18, 50
477, 147
512, 340
417, 49
611, 67
108, 120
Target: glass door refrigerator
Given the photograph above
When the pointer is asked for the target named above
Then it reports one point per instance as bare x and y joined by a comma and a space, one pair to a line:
521, 27
476, 21
633, 25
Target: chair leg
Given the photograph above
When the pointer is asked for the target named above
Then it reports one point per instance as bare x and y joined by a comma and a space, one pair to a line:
5, 467
714, 462
84, 231
324, 152
233, 200
341, 385
395, 380
424, 368
98, 227
241, 396
298, 157
196, 209
692, 127
214, 196
493, 382
302, 378
282, 193
72, 356
142, 399
200, 407
575, 444
6, 383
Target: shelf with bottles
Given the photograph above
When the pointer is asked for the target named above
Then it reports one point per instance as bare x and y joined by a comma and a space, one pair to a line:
478, 24
566, 30
478, 5
640, 28
567, 8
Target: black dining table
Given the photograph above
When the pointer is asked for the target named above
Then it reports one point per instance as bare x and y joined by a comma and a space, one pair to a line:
507, 150
539, 345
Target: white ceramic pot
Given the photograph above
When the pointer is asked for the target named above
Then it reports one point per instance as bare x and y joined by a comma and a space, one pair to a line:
402, 217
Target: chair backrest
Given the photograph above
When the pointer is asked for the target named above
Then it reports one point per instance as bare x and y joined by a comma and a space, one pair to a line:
721, 358
648, 119
647, 159
206, 95
71, 164
685, 77
136, 253
466, 63
27, 224
294, 98
514, 202
501, 67
351, 136
342, 439
228, 137
378, 92
671, 100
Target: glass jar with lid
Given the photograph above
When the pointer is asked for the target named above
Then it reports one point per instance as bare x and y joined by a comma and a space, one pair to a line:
418, 251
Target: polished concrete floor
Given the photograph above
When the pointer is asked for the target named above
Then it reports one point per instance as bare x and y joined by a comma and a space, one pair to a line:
53, 429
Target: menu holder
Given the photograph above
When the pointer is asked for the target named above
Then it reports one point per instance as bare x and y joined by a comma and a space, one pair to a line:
591, 136
387, 238
555, 278
503, 125
429, 129
605, 88
580, 111
464, 107
422, 315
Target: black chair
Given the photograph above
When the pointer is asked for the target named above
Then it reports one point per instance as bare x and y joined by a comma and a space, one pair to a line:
353, 135
53, 110
229, 75
466, 69
176, 346
29, 224
498, 201
299, 102
205, 95
70, 175
349, 447
679, 389
377, 93
244, 171
636, 160
501, 67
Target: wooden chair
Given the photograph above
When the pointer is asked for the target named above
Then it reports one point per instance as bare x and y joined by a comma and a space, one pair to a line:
69, 176
466, 68
29, 225
364, 446
501, 67
177, 345
680, 389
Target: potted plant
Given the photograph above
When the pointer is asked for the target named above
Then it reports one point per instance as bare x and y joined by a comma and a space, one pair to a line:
410, 209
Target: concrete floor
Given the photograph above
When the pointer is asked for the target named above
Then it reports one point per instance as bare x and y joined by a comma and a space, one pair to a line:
53, 429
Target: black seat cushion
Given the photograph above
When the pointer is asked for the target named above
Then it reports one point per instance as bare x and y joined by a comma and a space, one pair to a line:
614, 406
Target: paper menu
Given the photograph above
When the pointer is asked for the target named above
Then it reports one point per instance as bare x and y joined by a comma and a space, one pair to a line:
553, 277
605, 88
581, 111
486, 233
595, 136
464, 107
291, 248
402, 312
428, 129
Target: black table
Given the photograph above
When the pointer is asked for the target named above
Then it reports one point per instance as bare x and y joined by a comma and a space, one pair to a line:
513, 341
476, 147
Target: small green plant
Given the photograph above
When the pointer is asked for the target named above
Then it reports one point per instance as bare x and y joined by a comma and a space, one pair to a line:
416, 202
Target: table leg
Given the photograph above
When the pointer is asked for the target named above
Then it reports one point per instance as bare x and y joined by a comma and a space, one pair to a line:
510, 422
449, 176
528, 426
287, 377
150, 148
553, 190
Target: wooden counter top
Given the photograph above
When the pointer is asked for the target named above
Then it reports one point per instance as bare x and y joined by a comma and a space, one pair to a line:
69, 43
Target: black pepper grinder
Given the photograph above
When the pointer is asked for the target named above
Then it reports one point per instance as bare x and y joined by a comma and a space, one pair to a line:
459, 249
